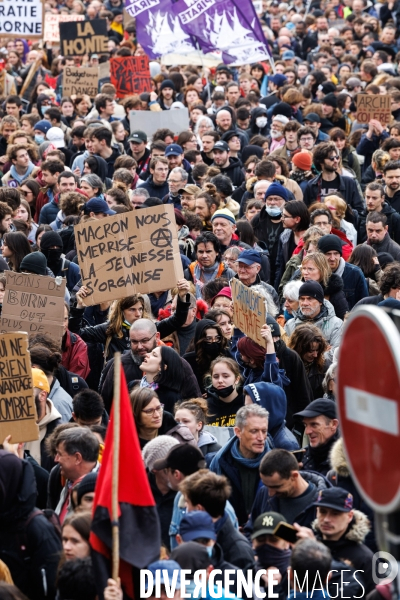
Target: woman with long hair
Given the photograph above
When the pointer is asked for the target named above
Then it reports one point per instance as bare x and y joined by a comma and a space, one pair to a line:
209, 343
194, 415
296, 221
224, 395
24, 214
346, 152
162, 371
29, 190
309, 343
15, 247
152, 420
366, 258
339, 210
223, 318
315, 267
114, 333
75, 536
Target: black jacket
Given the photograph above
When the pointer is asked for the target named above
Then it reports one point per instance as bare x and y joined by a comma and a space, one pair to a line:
234, 171
165, 506
334, 292
29, 544
235, 546
155, 190
97, 333
316, 377
394, 201
317, 459
393, 218
298, 392
347, 187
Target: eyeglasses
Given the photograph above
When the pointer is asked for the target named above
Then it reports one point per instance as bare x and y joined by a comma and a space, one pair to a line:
152, 411
249, 170
286, 217
336, 157
143, 342
211, 339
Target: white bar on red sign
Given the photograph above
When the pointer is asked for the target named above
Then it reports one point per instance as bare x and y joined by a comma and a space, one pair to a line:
372, 411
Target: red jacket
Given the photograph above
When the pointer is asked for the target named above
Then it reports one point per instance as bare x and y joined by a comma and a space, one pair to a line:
74, 355
347, 247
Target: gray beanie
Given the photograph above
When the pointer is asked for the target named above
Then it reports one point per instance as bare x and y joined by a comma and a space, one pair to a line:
158, 449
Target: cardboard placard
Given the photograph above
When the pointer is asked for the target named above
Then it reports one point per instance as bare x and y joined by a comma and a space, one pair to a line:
80, 80
129, 253
33, 303
374, 106
21, 19
130, 75
176, 119
17, 404
84, 37
249, 312
51, 25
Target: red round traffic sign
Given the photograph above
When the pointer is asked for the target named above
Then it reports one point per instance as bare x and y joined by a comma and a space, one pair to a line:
368, 392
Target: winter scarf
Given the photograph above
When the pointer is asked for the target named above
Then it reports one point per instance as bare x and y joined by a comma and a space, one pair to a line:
202, 275
249, 463
21, 178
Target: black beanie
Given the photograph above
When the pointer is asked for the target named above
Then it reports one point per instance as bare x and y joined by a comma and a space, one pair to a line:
275, 329
87, 484
312, 289
49, 239
330, 100
34, 263
282, 108
330, 242
167, 83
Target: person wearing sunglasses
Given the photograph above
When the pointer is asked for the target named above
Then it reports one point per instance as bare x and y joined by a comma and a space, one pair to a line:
327, 160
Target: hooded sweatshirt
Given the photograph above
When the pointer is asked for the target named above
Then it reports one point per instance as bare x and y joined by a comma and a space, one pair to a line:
273, 399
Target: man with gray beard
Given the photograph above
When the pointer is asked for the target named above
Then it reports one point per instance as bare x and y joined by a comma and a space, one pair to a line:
144, 337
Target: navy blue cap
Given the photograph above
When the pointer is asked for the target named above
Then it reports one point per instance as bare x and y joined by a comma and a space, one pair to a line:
336, 498
249, 257
320, 406
197, 524
173, 150
97, 205
221, 146
278, 79
312, 118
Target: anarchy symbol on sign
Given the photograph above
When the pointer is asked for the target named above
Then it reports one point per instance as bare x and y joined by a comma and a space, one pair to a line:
161, 238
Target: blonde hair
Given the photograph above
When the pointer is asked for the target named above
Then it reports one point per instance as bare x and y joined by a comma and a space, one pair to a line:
339, 204
380, 158
321, 263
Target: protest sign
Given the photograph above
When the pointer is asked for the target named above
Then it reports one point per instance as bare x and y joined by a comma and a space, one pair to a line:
51, 25
130, 75
17, 404
129, 253
249, 312
80, 80
176, 119
33, 303
374, 106
84, 37
21, 18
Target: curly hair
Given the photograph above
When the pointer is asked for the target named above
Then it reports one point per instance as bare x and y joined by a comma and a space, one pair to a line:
390, 279
302, 340
71, 203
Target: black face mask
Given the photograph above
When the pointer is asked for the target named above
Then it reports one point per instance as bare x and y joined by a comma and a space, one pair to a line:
53, 255
213, 349
223, 392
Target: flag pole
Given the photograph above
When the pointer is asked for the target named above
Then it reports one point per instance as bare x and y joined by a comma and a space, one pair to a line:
115, 472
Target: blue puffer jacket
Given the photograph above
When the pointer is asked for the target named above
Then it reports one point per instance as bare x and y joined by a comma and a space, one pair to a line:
273, 399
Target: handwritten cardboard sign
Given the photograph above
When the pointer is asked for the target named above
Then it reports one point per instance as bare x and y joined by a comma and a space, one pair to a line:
21, 19
130, 75
176, 119
17, 405
374, 106
84, 37
80, 80
249, 312
129, 253
33, 303
51, 25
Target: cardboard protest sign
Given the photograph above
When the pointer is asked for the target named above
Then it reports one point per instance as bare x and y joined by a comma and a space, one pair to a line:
33, 303
84, 37
176, 119
51, 25
129, 253
374, 106
130, 75
80, 80
249, 312
21, 18
17, 404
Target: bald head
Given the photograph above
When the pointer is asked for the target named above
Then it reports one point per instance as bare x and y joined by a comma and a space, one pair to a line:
144, 325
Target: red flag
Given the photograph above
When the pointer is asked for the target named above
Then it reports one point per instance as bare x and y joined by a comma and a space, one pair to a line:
139, 528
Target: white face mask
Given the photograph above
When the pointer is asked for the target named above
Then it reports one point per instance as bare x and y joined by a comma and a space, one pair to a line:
261, 122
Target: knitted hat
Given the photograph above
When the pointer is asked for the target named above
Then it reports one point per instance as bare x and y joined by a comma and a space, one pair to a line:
312, 289
302, 160
167, 83
157, 449
226, 292
49, 239
330, 242
276, 189
34, 263
281, 119
282, 108
223, 213
275, 329
330, 100
42, 126
87, 485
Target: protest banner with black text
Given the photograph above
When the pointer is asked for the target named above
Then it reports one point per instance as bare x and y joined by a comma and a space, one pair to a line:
130, 75
33, 303
19, 18
17, 404
249, 312
129, 253
374, 106
80, 80
84, 37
